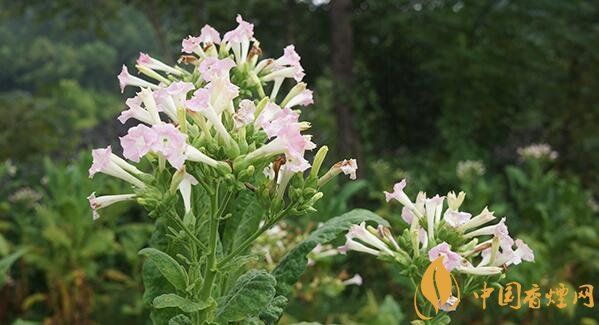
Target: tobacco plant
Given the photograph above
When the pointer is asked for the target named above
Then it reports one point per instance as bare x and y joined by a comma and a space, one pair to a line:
217, 162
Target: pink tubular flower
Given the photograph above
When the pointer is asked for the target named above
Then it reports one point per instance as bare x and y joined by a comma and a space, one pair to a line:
283, 118
138, 142
222, 93
200, 102
245, 114
399, 195
209, 35
304, 98
212, 68
146, 61
97, 203
407, 215
456, 218
239, 39
524, 252
135, 111
267, 115
170, 143
290, 57
349, 167
244, 31
450, 260
104, 161
126, 79
190, 44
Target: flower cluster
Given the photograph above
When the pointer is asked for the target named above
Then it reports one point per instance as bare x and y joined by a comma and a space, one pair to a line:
436, 227
537, 151
215, 115
468, 169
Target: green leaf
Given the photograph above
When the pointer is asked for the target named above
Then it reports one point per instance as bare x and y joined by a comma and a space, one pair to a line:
154, 283
167, 266
252, 292
175, 301
294, 262
180, 320
274, 310
6, 262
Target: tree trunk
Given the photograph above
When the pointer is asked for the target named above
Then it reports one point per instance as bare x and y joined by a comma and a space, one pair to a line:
343, 76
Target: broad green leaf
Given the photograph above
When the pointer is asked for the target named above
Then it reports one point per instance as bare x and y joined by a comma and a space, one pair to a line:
252, 292
180, 320
245, 220
294, 262
6, 262
274, 310
154, 283
176, 301
168, 267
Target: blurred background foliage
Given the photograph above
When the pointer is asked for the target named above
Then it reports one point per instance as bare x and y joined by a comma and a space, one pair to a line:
427, 90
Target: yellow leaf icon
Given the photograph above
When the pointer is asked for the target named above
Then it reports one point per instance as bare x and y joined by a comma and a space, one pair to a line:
436, 285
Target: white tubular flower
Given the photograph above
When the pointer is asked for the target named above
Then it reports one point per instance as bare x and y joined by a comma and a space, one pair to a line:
193, 154
97, 203
360, 232
355, 280
147, 97
222, 93
304, 98
420, 201
385, 233
148, 62
431, 206
348, 167
185, 190
104, 162
484, 217
126, 79
479, 270
200, 103
399, 195
454, 202
488, 230
352, 245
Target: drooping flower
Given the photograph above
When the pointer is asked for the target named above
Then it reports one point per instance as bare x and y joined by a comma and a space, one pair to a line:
97, 203
148, 62
126, 79
193, 154
139, 141
349, 167
104, 161
451, 259
170, 143
185, 190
